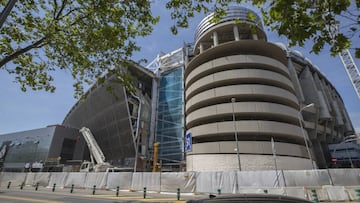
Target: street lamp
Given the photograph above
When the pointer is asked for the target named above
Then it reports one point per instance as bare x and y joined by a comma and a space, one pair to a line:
233, 100
345, 141
303, 132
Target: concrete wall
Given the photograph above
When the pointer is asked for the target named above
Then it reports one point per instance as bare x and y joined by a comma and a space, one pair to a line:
228, 162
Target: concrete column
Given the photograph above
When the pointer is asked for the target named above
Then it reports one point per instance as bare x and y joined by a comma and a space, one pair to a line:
338, 116
307, 83
215, 38
319, 154
324, 111
236, 33
201, 47
294, 79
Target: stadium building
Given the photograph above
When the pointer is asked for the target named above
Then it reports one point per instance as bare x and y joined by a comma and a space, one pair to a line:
228, 101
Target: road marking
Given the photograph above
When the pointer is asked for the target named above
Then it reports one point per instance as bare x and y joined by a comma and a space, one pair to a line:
27, 199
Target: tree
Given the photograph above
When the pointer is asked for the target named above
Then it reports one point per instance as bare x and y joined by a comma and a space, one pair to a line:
84, 37
298, 20
88, 37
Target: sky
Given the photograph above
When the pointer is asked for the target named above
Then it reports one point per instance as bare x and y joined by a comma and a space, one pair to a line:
20, 111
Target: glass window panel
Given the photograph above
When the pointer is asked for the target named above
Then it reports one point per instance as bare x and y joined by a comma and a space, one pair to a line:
170, 116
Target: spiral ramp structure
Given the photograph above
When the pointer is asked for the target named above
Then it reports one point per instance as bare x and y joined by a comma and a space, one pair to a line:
240, 95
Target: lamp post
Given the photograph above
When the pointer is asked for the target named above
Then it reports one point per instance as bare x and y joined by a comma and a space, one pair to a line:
233, 100
345, 141
303, 132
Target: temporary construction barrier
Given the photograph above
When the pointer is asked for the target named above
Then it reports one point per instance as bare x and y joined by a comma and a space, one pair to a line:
345, 177
146, 179
185, 181
41, 178
328, 185
59, 178
304, 178
98, 179
122, 180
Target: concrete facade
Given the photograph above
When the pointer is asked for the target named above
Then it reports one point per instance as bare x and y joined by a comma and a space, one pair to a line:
242, 91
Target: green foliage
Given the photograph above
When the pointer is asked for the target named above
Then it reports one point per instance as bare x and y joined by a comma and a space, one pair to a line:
315, 20
90, 38
298, 20
85, 38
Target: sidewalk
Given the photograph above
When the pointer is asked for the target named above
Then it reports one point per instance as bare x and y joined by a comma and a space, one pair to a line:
134, 196
123, 195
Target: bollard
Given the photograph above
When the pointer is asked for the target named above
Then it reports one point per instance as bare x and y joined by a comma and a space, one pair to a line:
178, 194
117, 191
22, 185
219, 191
357, 191
144, 192
94, 188
53, 189
314, 196
265, 191
36, 186
72, 188
8, 186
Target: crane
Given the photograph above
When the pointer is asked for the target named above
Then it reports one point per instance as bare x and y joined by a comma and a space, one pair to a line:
347, 60
95, 153
351, 69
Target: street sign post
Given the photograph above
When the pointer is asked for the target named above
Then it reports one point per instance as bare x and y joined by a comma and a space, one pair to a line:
188, 142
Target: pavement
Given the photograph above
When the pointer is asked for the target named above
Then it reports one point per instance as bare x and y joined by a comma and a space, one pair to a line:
16, 193
62, 195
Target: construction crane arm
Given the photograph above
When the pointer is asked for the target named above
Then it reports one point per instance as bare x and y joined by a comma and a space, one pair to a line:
351, 69
348, 62
94, 148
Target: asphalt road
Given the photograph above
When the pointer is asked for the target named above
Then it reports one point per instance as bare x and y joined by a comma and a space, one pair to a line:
45, 195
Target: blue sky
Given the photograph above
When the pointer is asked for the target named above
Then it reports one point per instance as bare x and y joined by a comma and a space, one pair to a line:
21, 111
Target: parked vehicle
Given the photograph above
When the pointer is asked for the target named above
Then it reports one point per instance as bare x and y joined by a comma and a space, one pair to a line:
251, 198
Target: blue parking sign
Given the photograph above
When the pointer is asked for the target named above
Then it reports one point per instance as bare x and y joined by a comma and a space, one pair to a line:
188, 142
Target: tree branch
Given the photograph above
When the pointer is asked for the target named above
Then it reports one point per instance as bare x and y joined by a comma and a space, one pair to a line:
79, 19
64, 2
55, 8
68, 13
19, 52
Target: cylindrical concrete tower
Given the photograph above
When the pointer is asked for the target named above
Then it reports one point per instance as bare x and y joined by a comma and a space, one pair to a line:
239, 95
